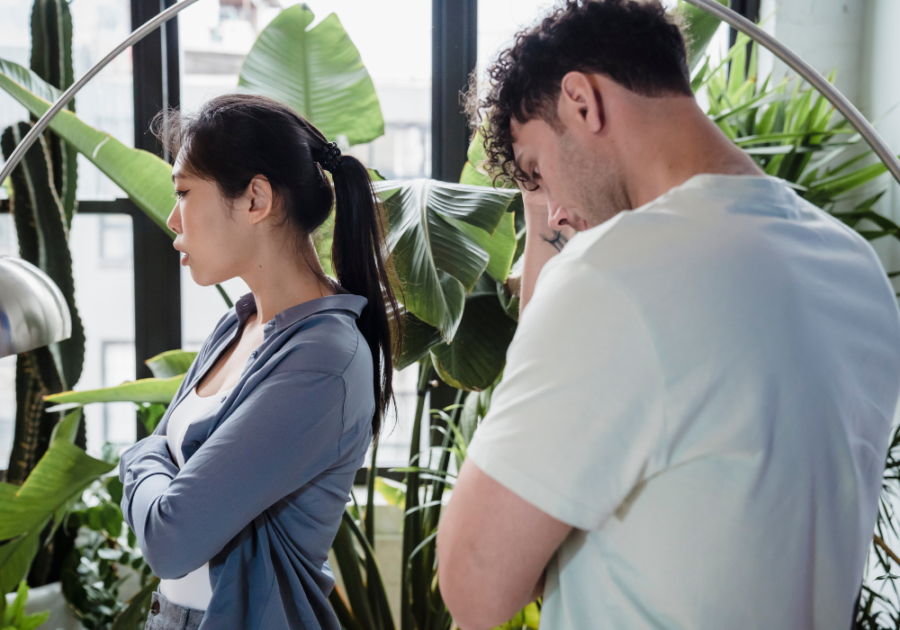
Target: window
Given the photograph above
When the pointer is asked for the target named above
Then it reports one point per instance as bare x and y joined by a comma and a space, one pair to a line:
115, 422
104, 295
116, 246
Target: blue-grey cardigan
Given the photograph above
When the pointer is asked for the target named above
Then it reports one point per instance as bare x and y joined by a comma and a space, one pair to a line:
267, 473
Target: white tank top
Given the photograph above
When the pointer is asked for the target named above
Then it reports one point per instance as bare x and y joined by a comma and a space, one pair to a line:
193, 590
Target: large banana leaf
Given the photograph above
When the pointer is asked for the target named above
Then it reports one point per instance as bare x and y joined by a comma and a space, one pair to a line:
144, 177
149, 390
418, 337
171, 363
436, 254
318, 72
60, 476
477, 354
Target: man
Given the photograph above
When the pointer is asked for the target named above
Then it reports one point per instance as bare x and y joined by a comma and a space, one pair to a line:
693, 421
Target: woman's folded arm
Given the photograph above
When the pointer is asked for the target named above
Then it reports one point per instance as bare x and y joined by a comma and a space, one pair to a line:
283, 435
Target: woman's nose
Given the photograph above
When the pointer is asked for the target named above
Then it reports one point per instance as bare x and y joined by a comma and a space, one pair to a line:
174, 220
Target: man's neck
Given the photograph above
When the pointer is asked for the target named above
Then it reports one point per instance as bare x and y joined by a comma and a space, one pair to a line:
668, 154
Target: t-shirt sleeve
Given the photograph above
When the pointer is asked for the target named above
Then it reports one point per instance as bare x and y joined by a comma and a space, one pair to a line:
579, 416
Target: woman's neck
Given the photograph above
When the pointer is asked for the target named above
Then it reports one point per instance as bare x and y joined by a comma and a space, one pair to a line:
280, 279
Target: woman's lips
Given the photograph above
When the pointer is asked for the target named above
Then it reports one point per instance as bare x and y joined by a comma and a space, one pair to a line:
184, 259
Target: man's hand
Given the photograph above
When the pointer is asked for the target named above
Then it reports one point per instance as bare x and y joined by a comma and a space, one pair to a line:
541, 242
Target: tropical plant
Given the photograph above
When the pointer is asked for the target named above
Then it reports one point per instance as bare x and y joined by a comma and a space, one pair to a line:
104, 559
42, 202
14, 618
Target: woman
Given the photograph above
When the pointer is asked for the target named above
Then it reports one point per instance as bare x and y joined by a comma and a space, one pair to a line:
237, 496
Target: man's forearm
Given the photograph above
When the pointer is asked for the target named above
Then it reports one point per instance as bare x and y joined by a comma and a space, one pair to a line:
541, 244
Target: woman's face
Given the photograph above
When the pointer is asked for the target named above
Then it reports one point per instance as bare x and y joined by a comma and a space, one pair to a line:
210, 235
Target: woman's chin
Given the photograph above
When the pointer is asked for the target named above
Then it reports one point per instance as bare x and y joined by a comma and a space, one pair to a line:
206, 279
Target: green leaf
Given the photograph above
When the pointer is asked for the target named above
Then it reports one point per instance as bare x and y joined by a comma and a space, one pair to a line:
67, 428
475, 357
318, 72
438, 262
16, 556
137, 609
171, 363
62, 473
474, 177
144, 177
698, 29
393, 492
501, 246
839, 184
418, 337
150, 390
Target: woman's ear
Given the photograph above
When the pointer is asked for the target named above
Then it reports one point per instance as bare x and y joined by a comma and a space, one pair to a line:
258, 201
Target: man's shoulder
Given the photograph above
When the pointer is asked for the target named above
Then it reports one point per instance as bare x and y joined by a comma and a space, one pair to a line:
711, 218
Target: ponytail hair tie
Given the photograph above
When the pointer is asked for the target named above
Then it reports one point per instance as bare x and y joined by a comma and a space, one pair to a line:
329, 157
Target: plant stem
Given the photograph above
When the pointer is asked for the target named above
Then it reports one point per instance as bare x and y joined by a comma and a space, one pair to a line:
225, 296
412, 530
880, 542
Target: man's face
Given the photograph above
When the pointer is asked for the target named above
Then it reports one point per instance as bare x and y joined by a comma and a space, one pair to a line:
582, 185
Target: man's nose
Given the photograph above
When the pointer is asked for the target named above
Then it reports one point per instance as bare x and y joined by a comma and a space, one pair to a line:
558, 216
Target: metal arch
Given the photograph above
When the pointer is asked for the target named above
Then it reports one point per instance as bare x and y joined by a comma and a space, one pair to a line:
853, 116
843, 105
39, 127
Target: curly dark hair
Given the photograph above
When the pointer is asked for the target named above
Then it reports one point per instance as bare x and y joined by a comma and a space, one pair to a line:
635, 43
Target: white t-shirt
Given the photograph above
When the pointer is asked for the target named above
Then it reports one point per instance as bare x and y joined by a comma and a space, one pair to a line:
703, 388
193, 590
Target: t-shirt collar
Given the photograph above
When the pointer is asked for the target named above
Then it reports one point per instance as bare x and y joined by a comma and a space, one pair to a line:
344, 301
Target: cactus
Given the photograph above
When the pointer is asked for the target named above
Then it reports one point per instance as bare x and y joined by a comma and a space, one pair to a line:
42, 202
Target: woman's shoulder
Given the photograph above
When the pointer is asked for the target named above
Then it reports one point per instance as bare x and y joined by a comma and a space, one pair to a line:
329, 342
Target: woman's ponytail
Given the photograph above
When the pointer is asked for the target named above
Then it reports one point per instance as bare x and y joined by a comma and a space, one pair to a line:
359, 256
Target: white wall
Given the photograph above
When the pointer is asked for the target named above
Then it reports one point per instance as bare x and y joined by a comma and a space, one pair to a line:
861, 40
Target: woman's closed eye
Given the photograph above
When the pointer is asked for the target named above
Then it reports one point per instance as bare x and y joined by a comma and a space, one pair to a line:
179, 193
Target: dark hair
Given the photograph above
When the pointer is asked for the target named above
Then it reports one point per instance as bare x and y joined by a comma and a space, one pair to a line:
235, 137
633, 43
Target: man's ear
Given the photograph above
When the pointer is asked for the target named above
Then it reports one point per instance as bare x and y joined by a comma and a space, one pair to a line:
580, 103
258, 200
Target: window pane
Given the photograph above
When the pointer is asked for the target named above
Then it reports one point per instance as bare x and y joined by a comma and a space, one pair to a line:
499, 21
104, 294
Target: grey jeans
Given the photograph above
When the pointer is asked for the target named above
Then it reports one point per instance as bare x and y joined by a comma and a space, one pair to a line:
166, 615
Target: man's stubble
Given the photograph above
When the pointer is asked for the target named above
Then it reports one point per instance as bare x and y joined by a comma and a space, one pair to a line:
594, 181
